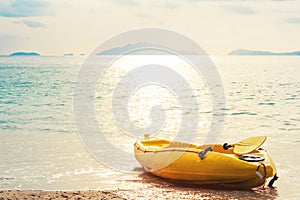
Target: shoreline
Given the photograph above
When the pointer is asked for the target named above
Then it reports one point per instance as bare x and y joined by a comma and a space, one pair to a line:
43, 194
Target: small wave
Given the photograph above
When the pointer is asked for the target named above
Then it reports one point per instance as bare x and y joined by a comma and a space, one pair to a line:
286, 123
285, 84
289, 129
7, 178
291, 98
293, 129
294, 119
243, 113
267, 103
264, 125
225, 109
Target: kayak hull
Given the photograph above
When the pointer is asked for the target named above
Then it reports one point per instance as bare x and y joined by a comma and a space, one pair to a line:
181, 161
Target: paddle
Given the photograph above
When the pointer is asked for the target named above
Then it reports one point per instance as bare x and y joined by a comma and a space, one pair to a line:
247, 145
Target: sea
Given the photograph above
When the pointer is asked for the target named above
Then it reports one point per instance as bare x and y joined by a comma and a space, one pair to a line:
43, 146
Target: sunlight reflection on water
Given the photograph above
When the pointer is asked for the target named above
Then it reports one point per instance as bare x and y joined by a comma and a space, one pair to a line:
39, 147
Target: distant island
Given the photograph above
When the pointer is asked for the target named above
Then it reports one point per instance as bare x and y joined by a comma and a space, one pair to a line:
242, 52
68, 54
24, 54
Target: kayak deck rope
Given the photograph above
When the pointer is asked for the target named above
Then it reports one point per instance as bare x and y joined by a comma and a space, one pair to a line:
166, 150
201, 154
259, 174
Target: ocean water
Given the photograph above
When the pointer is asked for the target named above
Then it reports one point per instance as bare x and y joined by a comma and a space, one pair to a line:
40, 147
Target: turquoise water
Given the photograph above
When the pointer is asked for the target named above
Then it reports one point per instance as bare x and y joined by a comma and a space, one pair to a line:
40, 148
36, 93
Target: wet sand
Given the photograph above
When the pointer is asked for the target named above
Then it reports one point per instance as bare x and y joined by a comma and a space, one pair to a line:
47, 195
151, 187
148, 187
147, 193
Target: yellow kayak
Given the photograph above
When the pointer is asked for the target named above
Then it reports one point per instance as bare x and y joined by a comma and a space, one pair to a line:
240, 165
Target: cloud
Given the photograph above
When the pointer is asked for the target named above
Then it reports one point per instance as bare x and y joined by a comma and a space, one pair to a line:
293, 20
126, 2
33, 24
171, 6
24, 8
241, 9
141, 15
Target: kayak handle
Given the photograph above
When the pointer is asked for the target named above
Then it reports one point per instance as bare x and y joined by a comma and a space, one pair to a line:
226, 146
202, 154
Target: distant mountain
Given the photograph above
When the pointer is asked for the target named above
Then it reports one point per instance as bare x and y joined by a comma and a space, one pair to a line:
24, 54
140, 49
263, 53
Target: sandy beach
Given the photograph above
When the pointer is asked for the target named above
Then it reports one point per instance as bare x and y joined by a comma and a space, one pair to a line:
151, 191
38, 194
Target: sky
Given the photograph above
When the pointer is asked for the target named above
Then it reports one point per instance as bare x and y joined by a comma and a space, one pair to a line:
56, 27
